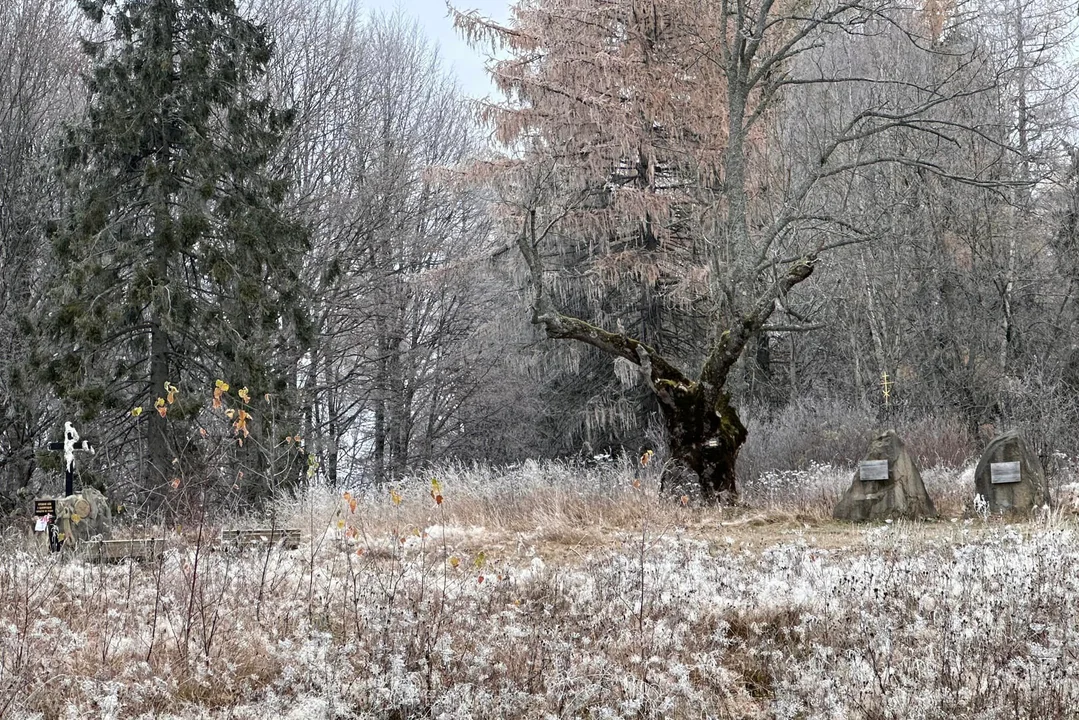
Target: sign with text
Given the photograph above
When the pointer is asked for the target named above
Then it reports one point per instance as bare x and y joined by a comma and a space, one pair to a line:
873, 470
1004, 472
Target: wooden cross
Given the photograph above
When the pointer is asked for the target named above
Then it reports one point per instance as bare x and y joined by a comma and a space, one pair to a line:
70, 444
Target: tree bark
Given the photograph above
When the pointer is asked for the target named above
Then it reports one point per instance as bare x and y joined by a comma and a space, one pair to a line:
705, 435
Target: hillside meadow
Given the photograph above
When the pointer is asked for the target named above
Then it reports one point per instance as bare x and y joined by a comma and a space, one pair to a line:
558, 591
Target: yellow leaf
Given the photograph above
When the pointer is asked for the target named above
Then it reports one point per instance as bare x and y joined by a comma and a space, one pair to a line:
395, 497
221, 385
76, 518
454, 562
480, 559
245, 395
135, 412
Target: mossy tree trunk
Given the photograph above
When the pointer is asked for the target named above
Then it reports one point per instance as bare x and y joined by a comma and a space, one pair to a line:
704, 434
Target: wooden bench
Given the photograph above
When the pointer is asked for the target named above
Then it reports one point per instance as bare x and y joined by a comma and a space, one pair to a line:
288, 538
140, 549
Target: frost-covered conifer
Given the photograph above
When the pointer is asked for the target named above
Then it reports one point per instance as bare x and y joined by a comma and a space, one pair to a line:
178, 263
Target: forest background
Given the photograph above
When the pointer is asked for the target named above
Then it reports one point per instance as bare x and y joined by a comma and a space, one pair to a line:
241, 246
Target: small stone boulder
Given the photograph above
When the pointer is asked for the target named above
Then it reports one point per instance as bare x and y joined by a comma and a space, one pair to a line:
84, 516
887, 484
1010, 478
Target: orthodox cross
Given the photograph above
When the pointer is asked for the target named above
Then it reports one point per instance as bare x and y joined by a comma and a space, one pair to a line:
886, 387
70, 444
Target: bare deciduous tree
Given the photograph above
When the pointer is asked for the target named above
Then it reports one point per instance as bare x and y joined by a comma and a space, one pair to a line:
662, 120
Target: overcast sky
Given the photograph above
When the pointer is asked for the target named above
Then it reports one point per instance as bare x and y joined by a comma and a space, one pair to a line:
435, 21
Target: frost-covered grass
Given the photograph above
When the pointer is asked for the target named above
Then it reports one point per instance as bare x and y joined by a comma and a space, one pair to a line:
556, 591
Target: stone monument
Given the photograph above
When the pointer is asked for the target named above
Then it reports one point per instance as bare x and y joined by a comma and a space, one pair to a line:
82, 517
1010, 477
886, 485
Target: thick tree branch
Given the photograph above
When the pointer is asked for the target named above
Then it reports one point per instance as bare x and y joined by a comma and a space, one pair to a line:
729, 345
565, 327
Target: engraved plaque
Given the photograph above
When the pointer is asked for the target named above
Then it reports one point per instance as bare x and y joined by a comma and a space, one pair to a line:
44, 507
873, 470
1005, 472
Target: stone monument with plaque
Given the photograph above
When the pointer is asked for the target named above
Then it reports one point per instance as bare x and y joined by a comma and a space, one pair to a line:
1010, 476
886, 484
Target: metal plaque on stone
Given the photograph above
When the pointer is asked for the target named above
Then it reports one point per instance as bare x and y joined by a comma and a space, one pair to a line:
873, 470
1004, 472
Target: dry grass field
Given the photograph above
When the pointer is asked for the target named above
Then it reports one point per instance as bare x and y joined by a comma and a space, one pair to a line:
556, 591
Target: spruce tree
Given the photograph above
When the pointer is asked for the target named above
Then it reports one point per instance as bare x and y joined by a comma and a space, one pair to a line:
178, 262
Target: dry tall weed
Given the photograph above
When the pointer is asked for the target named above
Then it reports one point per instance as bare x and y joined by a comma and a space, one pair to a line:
555, 591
